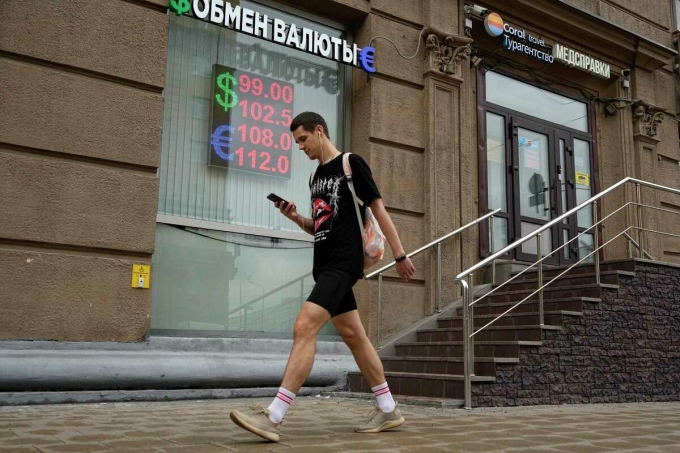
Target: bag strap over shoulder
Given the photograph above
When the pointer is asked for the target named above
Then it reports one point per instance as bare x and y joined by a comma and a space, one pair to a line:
357, 202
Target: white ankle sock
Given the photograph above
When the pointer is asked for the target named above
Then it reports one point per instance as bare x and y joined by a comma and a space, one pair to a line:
280, 405
384, 397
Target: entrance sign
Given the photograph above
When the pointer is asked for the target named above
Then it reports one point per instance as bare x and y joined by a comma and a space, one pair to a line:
519, 40
248, 21
581, 61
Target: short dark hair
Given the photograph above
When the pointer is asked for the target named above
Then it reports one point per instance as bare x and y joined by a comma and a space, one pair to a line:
309, 121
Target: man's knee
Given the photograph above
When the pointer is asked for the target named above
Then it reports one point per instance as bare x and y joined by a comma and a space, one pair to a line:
353, 338
306, 326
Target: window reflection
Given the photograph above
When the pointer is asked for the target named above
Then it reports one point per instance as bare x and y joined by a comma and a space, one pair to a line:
495, 158
536, 102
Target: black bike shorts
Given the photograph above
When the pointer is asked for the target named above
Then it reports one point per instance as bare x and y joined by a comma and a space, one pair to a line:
333, 291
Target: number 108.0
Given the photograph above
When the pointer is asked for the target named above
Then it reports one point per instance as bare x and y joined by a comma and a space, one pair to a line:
264, 159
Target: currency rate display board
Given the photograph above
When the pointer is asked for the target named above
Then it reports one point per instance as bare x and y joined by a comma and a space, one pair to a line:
250, 121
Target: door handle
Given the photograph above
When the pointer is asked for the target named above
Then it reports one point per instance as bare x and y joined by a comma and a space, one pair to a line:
513, 168
553, 197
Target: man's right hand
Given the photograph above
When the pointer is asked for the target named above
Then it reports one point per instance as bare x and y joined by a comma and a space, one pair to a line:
289, 210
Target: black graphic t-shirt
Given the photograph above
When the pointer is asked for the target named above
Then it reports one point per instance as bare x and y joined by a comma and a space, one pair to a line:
337, 237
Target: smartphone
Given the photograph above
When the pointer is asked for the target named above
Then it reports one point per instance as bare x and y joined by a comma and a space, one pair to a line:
275, 198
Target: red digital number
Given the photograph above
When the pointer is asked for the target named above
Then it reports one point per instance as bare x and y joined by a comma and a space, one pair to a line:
247, 84
255, 110
287, 94
275, 91
270, 112
259, 136
258, 87
286, 114
244, 83
267, 157
283, 164
268, 137
285, 142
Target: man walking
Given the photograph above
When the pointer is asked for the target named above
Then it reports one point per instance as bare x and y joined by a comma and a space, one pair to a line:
338, 264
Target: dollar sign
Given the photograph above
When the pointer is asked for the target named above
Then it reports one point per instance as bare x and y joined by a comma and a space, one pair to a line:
230, 98
180, 6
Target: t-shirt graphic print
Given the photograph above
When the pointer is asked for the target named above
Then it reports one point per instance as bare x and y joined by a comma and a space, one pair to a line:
337, 237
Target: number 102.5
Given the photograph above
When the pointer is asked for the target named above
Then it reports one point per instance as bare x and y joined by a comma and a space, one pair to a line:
282, 164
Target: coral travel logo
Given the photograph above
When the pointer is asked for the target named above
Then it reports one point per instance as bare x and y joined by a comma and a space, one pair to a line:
494, 24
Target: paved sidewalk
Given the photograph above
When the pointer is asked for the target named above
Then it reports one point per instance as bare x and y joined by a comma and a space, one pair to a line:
326, 425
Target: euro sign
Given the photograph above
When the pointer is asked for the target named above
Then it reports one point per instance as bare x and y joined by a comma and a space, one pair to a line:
230, 98
220, 143
367, 59
180, 6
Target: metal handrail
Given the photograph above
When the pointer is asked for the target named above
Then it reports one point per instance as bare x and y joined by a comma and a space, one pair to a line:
553, 222
551, 253
465, 278
437, 243
273, 291
632, 241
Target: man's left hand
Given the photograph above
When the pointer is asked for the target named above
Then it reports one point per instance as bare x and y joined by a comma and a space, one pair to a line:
406, 269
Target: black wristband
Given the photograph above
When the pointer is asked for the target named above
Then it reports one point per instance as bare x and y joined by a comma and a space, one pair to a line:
400, 259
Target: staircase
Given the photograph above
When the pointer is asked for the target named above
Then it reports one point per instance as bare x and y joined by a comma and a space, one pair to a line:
432, 366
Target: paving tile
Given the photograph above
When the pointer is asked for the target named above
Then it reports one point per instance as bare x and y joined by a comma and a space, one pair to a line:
75, 448
328, 426
19, 450
202, 448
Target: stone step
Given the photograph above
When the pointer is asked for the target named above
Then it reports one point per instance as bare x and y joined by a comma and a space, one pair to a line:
491, 333
439, 403
610, 277
493, 349
571, 304
550, 292
605, 266
553, 318
419, 384
484, 366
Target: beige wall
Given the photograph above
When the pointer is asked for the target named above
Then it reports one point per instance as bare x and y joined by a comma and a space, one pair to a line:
80, 136
80, 131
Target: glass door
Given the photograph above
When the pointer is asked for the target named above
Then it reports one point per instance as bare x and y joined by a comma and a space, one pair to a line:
534, 173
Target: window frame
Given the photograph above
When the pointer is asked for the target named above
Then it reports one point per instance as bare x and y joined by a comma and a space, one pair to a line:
344, 137
483, 106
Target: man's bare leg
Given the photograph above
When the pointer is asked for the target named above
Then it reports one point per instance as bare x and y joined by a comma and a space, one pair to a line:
353, 333
266, 423
309, 322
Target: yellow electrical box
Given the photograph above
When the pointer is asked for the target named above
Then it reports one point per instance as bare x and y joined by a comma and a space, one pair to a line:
141, 275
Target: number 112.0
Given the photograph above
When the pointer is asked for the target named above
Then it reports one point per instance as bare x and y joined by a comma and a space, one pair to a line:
282, 164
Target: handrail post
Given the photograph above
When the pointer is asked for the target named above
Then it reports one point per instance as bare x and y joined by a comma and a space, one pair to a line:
380, 281
471, 328
539, 254
467, 390
439, 277
596, 243
638, 197
491, 250
302, 292
630, 249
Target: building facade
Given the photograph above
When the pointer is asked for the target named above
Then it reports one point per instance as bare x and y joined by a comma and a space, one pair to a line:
140, 138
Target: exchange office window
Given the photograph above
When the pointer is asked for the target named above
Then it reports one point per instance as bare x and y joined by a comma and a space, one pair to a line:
225, 258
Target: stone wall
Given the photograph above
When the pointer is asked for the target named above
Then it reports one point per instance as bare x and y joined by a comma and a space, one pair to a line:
625, 348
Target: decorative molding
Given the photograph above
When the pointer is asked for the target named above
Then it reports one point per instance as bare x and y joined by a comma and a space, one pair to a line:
444, 54
646, 119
